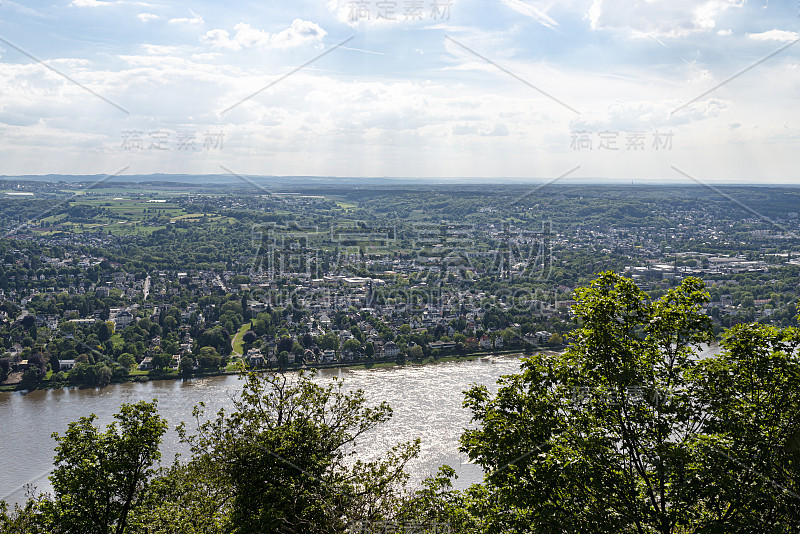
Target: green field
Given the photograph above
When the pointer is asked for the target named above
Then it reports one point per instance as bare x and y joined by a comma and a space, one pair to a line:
123, 216
237, 340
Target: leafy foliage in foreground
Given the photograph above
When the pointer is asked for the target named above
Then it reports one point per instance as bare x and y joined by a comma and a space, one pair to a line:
628, 431
282, 460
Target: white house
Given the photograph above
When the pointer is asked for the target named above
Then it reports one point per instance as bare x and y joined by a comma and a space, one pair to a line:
391, 350
123, 319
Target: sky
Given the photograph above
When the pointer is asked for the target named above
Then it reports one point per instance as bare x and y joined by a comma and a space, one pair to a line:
698, 91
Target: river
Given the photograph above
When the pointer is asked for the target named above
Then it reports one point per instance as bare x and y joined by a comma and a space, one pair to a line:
426, 399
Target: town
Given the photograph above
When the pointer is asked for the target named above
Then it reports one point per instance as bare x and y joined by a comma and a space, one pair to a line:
133, 282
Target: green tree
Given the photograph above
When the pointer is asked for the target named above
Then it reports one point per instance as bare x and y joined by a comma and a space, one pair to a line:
31, 517
249, 337
752, 443
282, 458
357, 333
627, 432
436, 508
181, 498
127, 360
99, 477
218, 338
328, 341
5, 369
31, 378
161, 361
105, 331
187, 365
207, 358
352, 345
170, 323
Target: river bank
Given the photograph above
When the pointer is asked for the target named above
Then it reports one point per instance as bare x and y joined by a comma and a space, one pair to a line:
426, 401
233, 369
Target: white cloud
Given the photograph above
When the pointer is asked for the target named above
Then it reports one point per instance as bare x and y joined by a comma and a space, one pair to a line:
194, 19
248, 36
447, 113
90, 3
21, 9
325, 125
774, 35
299, 33
164, 50
499, 130
621, 116
219, 38
658, 18
463, 129
532, 11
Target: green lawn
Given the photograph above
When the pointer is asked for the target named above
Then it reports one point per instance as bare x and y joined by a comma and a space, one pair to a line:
233, 365
237, 340
117, 340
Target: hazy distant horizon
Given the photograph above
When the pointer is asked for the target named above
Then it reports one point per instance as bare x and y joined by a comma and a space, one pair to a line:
226, 179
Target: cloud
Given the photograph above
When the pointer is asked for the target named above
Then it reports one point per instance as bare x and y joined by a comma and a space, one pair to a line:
90, 3
646, 115
658, 18
774, 35
446, 113
499, 130
535, 13
247, 36
219, 38
463, 129
21, 9
194, 19
299, 33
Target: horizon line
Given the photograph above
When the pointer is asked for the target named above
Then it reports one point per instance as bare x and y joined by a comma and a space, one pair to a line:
428, 179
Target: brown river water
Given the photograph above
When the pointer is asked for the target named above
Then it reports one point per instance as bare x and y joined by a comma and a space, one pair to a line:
426, 399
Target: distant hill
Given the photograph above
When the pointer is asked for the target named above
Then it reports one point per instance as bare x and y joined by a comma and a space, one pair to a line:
266, 180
